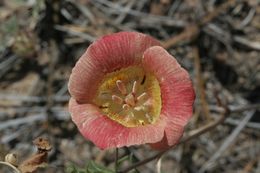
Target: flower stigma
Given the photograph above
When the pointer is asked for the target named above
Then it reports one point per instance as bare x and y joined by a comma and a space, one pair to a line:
130, 96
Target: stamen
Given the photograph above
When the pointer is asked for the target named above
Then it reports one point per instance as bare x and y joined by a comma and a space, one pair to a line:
142, 96
134, 89
139, 108
126, 107
130, 97
117, 99
121, 87
149, 118
130, 100
132, 114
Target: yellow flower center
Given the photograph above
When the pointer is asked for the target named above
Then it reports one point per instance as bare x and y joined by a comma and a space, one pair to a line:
130, 96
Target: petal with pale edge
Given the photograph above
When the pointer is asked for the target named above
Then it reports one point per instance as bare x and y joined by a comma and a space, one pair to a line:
106, 133
106, 55
176, 91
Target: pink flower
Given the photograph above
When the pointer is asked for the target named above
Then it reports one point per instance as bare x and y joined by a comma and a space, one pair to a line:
127, 90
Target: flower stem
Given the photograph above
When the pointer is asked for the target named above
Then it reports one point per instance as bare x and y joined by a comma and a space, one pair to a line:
116, 160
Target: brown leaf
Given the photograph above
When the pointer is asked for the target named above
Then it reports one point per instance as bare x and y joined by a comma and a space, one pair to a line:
38, 160
42, 144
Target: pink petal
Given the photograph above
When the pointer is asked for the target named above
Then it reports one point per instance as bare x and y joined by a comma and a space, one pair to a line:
84, 79
119, 50
176, 134
176, 90
105, 55
106, 133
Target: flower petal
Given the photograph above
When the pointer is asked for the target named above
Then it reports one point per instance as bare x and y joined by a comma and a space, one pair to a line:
119, 50
176, 134
106, 55
106, 133
176, 90
84, 80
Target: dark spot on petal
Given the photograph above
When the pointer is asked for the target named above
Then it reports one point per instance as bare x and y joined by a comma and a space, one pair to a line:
143, 80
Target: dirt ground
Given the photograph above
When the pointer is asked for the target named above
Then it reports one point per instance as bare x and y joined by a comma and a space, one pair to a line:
217, 41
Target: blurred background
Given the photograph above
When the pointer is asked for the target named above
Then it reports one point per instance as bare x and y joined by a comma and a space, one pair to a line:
217, 41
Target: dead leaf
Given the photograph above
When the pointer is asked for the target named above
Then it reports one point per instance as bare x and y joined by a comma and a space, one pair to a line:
42, 144
38, 160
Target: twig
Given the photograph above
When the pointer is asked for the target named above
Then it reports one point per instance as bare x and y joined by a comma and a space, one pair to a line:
42, 116
200, 83
122, 16
187, 35
11, 166
53, 59
33, 99
227, 142
175, 5
248, 18
140, 4
235, 122
194, 134
82, 35
63, 90
235, 109
148, 17
7, 65
27, 120
108, 21
248, 43
85, 11
226, 37
191, 31
250, 165
244, 108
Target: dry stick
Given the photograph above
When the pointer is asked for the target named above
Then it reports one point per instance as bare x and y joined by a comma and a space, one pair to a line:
16, 170
250, 165
195, 134
53, 60
200, 83
191, 31
245, 108
227, 142
225, 37
147, 17
192, 135
122, 16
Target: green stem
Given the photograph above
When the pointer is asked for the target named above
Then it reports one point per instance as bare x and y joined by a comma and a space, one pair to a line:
116, 161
